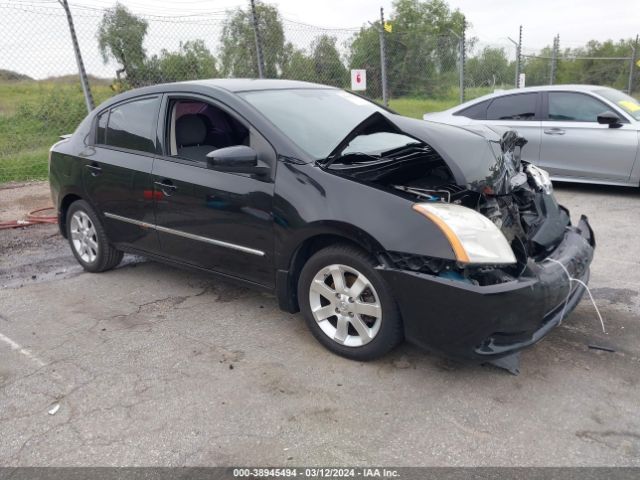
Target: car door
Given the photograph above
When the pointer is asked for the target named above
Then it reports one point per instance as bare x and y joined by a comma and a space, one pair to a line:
575, 145
215, 220
521, 112
117, 171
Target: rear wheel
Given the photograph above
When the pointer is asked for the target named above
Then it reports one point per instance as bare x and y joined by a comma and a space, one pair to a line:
88, 240
347, 304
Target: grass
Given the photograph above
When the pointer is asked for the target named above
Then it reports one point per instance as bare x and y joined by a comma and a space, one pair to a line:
416, 107
33, 114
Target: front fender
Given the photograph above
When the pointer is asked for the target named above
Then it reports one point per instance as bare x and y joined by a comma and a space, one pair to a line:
310, 201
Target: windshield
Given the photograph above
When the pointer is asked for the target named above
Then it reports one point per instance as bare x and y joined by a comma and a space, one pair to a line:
315, 119
622, 100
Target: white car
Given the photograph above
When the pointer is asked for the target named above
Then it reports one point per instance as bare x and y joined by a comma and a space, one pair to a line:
578, 133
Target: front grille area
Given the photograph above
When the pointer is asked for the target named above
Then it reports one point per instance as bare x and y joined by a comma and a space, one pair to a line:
416, 263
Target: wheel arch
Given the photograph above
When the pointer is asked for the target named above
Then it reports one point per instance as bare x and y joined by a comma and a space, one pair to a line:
291, 265
63, 208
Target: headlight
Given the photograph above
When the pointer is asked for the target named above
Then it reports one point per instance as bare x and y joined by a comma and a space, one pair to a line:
473, 237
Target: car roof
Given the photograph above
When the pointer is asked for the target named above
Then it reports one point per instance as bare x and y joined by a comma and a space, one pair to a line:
572, 87
540, 88
228, 86
252, 84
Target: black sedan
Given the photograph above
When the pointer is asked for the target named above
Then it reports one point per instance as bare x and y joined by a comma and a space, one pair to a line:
376, 226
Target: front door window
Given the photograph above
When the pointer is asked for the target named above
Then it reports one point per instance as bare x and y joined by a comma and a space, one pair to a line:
197, 128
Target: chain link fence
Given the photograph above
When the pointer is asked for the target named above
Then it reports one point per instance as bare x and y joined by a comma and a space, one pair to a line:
41, 96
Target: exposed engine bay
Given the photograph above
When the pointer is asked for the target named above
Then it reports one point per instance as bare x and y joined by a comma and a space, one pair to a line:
518, 199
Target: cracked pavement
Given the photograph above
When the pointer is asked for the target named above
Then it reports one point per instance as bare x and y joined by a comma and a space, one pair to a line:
152, 365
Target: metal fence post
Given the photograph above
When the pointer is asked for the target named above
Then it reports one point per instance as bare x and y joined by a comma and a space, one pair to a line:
632, 65
84, 81
383, 61
462, 48
256, 34
518, 46
519, 57
554, 59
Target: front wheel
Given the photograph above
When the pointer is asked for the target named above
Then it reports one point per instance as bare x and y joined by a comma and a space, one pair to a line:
88, 240
347, 305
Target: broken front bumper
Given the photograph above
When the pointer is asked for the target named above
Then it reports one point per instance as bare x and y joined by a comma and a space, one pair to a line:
488, 322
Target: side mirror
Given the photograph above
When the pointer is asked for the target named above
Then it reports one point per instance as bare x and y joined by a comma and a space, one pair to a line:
609, 118
236, 159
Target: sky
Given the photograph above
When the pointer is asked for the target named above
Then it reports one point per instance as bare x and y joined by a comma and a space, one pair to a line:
577, 21
25, 36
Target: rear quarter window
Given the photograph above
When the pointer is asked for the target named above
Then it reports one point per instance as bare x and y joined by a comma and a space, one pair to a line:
475, 112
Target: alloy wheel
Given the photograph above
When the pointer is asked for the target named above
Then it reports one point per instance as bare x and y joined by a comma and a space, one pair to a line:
346, 305
84, 237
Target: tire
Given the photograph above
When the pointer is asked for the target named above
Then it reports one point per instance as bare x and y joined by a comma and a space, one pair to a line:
327, 306
88, 240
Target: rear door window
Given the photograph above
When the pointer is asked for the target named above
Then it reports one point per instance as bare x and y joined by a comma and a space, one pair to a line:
574, 107
132, 125
101, 128
513, 107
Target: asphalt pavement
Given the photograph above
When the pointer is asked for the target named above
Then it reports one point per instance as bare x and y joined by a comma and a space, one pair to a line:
153, 365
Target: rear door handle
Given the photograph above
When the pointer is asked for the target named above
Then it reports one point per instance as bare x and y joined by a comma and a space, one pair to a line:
94, 168
166, 186
554, 131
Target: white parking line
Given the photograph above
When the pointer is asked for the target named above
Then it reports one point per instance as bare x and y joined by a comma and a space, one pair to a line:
22, 350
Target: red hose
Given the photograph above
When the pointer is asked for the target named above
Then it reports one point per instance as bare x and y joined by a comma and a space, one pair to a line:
32, 219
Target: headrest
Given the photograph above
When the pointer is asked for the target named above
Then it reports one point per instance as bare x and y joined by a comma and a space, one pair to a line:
190, 130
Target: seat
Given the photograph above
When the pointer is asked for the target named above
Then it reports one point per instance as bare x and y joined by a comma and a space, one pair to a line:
191, 133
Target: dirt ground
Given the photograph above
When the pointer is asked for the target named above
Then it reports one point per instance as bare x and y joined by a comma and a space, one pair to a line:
151, 365
18, 199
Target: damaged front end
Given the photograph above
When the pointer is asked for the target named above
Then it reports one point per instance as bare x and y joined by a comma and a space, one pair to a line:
515, 248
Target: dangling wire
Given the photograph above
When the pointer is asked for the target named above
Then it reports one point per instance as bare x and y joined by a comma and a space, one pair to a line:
571, 279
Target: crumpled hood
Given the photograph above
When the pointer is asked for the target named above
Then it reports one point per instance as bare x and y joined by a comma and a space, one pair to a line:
477, 156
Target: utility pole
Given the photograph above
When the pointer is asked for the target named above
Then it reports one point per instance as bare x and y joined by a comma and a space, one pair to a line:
554, 59
463, 53
84, 81
461, 57
518, 46
256, 33
383, 61
519, 57
632, 65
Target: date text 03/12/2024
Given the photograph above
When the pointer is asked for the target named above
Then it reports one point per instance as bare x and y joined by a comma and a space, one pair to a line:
315, 472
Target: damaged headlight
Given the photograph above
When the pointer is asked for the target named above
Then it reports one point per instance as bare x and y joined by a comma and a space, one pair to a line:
473, 237
540, 178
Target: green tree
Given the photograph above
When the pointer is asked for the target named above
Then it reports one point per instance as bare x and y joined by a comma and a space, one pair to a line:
238, 53
490, 68
328, 66
537, 68
192, 61
120, 37
298, 65
421, 50
578, 65
614, 73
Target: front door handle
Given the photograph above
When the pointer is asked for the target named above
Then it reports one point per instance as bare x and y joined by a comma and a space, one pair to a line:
554, 131
166, 186
94, 169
